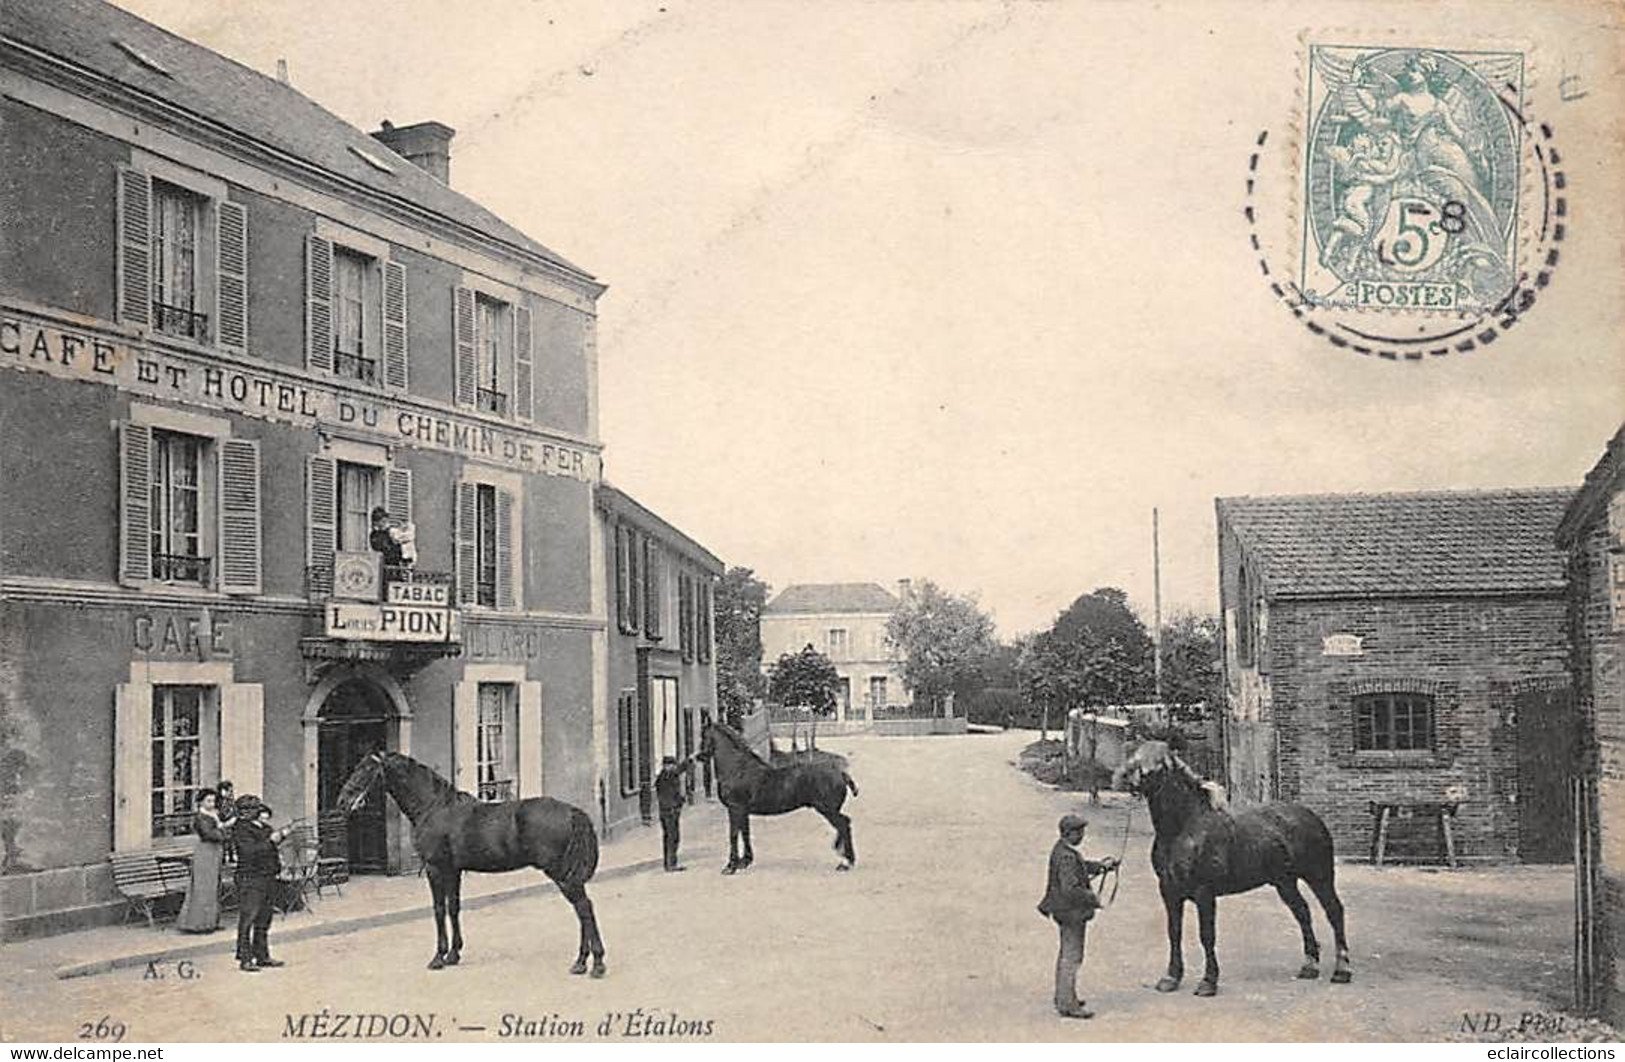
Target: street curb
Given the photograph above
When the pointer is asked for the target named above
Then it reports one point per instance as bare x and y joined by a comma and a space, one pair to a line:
342, 925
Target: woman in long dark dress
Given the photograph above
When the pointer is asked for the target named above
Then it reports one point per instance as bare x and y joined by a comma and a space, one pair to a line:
201, 911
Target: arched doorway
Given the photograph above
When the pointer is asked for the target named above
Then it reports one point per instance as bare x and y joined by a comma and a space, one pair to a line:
354, 720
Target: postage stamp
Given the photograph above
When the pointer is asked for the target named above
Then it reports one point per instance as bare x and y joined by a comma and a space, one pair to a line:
1411, 174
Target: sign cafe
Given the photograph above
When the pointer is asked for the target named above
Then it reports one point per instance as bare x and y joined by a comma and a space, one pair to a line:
30, 344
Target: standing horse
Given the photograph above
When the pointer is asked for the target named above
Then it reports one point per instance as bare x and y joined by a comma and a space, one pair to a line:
453, 832
748, 785
1203, 851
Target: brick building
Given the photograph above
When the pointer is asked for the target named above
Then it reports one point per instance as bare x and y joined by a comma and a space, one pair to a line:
661, 669
1406, 649
847, 623
1593, 534
231, 325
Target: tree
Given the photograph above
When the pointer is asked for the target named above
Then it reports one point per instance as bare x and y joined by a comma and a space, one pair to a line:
739, 598
1096, 653
1190, 665
944, 638
805, 680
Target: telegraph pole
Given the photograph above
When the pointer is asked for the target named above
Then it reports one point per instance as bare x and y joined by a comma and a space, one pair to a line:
1156, 601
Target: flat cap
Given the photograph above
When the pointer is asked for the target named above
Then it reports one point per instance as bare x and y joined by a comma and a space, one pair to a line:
1072, 822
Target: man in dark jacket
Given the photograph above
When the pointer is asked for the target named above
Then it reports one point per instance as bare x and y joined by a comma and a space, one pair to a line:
1070, 900
669, 794
258, 864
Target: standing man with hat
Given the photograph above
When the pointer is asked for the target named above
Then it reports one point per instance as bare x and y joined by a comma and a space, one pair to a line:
1069, 899
669, 794
258, 864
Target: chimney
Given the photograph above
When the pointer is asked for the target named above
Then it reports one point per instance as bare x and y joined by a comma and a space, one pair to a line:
426, 145
282, 71
905, 590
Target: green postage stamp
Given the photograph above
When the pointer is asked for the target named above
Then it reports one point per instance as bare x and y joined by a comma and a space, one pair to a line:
1411, 178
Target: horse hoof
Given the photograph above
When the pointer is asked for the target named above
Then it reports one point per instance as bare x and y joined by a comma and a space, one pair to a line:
436, 963
843, 866
580, 967
598, 971
1308, 972
1167, 984
1207, 988
453, 958
730, 869
1342, 977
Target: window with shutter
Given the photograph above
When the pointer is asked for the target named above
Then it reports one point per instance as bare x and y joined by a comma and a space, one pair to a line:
622, 548
395, 351
240, 541
135, 514
465, 359
523, 370
706, 605
685, 617
231, 275
321, 522
634, 581
134, 247
318, 304
651, 589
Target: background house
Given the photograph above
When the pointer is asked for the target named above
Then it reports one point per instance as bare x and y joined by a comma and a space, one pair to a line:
847, 623
1401, 648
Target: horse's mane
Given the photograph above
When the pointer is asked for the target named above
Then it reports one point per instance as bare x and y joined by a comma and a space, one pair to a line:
738, 741
439, 790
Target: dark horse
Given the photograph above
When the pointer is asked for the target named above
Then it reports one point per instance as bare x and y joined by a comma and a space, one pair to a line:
1203, 851
748, 785
453, 832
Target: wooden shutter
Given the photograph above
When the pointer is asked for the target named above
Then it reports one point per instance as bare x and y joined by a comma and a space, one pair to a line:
135, 509
132, 766
621, 559
395, 360
707, 617
242, 736
507, 574
318, 304
465, 359
530, 739
134, 247
231, 275
240, 541
466, 518
398, 492
685, 618
651, 588
321, 519
465, 725
634, 582
523, 372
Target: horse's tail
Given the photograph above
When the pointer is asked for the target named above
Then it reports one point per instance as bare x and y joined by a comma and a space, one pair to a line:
850, 784
580, 859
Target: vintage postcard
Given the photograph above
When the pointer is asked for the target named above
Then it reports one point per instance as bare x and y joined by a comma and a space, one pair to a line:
553, 523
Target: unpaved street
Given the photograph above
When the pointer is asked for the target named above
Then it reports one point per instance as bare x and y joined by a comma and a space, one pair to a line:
934, 936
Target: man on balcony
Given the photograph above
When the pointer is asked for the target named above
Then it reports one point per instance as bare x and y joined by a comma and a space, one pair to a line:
395, 539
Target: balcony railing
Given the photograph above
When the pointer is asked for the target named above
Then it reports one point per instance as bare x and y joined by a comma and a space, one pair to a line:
355, 366
181, 568
496, 791
181, 321
491, 401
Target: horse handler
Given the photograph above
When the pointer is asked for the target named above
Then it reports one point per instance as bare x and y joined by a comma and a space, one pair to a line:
258, 864
670, 796
1069, 899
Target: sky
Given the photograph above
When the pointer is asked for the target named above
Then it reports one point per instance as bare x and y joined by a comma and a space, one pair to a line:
961, 290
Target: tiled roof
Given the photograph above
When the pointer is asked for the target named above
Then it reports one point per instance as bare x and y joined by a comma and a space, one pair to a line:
1594, 494
117, 44
1444, 542
832, 597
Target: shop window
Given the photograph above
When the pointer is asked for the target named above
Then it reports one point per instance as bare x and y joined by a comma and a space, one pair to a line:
1393, 722
495, 766
184, 740
626, 714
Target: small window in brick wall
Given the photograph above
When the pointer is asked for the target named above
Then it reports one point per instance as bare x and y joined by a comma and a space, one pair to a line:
1393, 722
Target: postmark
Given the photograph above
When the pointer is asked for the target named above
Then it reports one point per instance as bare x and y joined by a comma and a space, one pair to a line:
1411, 169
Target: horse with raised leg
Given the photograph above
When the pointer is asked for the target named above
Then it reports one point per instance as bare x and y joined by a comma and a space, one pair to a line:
1203, 851
453, 832
748, 785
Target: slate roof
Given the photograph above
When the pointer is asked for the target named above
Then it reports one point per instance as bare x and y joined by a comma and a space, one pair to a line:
1437, 542
617, 500
107, 40
832, 597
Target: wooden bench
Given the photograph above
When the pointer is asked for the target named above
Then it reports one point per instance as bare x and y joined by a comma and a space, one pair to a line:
146, 877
